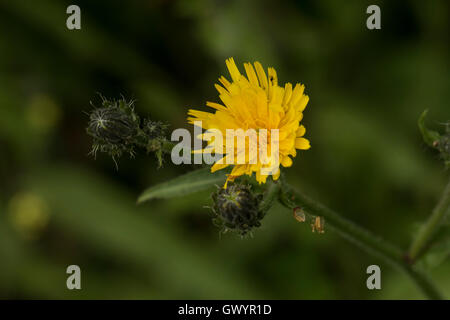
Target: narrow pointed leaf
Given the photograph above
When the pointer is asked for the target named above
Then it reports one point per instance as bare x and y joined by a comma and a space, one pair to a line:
190, 182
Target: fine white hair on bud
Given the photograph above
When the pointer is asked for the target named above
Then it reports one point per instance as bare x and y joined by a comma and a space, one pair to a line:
236, 209
117, 129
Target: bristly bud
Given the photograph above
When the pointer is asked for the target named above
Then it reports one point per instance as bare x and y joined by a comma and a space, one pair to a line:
114, 127
155, 129
156, 134
116, 130
236, 209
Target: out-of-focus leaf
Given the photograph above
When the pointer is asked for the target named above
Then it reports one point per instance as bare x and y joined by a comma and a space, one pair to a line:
429, 136
190, 182
108, 221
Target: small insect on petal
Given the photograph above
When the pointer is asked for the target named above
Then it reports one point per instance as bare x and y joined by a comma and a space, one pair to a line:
318, 225
299, 215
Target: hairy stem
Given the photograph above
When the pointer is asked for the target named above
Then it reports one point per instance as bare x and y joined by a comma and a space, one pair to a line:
270, 196
422, 241
370, 243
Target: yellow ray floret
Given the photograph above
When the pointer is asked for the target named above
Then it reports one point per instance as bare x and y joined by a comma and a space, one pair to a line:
255, 101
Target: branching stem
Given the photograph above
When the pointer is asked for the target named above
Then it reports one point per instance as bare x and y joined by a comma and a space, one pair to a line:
370, 243
422, 241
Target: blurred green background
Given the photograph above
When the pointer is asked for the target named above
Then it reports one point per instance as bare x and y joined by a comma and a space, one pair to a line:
59, 206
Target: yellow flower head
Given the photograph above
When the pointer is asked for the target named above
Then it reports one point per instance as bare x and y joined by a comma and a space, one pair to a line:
255, 102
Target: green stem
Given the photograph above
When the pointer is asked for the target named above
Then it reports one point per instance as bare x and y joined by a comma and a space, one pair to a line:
270, 195
422, 241
375, 245
167, 146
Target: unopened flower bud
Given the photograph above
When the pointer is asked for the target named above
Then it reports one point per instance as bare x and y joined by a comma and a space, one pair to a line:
155, 129
113, 125
236, 208
115, 128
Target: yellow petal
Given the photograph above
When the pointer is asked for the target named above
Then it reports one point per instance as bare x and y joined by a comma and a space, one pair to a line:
297, 94
260, 178
273, 78
251, 74
238, 170
277, 175
220, 89
234, 71
261, 75
287, 93
198, 151
224, 82
302, 103
301, 131
273, 82
302, 143
199, 114
286, 162
216, 106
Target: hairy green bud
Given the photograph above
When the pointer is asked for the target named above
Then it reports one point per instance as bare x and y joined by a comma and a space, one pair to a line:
155, 129
236, 209
112, 125
117, 129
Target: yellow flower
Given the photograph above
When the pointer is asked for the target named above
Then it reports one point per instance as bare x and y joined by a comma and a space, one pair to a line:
255, 102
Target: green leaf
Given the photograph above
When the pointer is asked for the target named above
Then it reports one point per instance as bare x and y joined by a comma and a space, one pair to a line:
185, 184
429, 136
